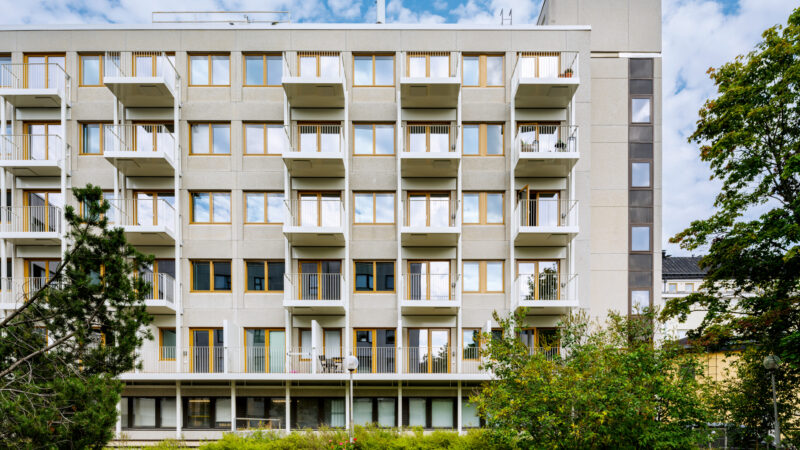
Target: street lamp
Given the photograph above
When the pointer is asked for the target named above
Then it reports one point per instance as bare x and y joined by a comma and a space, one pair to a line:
771, 363
351, 364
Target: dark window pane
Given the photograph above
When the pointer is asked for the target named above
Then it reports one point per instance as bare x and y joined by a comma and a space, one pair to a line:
201, 276
222, 276
384, 272
364, 276
255, 276
275, 272
642, 87
198, 412
641, 68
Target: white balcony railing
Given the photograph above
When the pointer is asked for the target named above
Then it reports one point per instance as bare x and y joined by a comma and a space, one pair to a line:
549, 353
546, 139
377, 360
35, 76
157, 360
429, 286
316, 212
431, 65
547, 212
19, 289
139, 139
31, 219
31, 147
546, 286
433, 359
162, 287
142, 65
314, 287
315, 66
431, 212
429, 138
142, 212
317, 138
544, 65
207, 359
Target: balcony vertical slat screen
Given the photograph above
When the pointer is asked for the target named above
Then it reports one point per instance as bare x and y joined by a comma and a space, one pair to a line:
315, 65
547, 212
547, 139
140, 213
546, 286
431, 65
429, 138
319, 138
139, 138
162, 287
547, 64
376, 360
30, 147
315, 286
35, 76
31, 219
140, 65
549, 353
427, 359
208, 359
428, 286
431, 212
312, 212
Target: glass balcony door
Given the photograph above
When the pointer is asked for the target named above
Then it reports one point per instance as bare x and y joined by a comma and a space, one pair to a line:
45, 71
429, 209
320, 209
540, 208
41, 141
320, 280
541, 137
429, 350
265, 350
428, 280
37, 273
375, 349
155, 208
207, 350
43, 211
539, 280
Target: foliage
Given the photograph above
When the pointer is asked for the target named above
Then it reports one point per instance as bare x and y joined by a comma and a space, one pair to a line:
749, 135
57, 377
610, 387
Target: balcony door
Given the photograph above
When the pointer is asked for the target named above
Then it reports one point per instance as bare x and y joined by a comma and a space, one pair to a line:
428, 280
429, 209
161, 276
41, 142
320, 138
151, 137
155, 208
538, 208
42, 212
207, 350
150, 64
540, 137
45, 71
323, 64
428, 350
320, 209
540, 340
540, 65
538, 280
375, 350
37, 273
265, 350
320, 280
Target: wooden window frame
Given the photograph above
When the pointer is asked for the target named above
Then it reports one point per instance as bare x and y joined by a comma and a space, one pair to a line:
318, 126
154, 136
319, 195
264, 127
317, 55
324, 346
534, 196
374, 346
375, 209
153, 63
161, 344
428, 126
538, 272
210, 331
464, 344
211, 275
82, 127
483, 203
265, 194
267, 289
266, 346
430, 360
373, 55
483, 139
26, 131
427, 56
265, 76
482, 69
210, 139
375, 139
210, 208
427, 195
80, 69
46, 57
428, 274
318, 272
210, 68
374, 272
483, 276
26, 203
155, 199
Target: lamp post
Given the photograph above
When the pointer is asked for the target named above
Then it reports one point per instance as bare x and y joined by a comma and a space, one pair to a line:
351, 364
771, 363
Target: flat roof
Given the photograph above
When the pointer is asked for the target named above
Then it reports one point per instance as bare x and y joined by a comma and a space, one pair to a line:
290, 26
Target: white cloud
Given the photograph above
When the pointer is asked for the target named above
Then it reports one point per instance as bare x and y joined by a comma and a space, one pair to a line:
488, 11
348, 9
397, 13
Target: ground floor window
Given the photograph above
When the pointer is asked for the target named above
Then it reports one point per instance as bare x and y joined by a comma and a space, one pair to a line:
318, 412
148, 412
207, 412
429, 412
260, 412
381, 411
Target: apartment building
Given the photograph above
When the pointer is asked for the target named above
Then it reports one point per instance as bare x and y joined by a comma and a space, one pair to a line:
312, 191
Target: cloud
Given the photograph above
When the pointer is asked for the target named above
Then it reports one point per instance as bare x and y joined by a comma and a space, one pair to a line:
397, 13
345, 8
488, 11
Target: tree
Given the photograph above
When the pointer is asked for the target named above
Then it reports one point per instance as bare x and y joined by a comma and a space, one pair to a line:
749, 135
61, 350
610, 387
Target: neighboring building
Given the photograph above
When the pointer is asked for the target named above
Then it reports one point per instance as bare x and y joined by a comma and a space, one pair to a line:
316, 190
681, 276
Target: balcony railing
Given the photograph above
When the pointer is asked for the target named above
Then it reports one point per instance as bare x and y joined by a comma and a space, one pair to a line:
547, 212
142, 212
35, 76
546, 286
429, 286
432, 65
547, 139
313, 287
207, 359
324, 212
20, 289
313, 138
429, 138
30, 147
322, 65
431, 212
162, 287
428, 359
140, 65
31, 219
140, 139
544, 65
255, 359
549, 353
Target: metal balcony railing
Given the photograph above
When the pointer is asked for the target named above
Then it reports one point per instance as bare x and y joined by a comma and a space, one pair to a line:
162, 287
259, 359
431, 212
315, 65
547, 139
207, 359
377, 360
546, 286
35, 76
313, 287
142, 65
547, 212
429, 286
317, 138
31, 219
138, 138
316, 212
327, 360
20, 289
428, 359
142, 212
544, 65
432, 65
549, 353
429, 138
31, 147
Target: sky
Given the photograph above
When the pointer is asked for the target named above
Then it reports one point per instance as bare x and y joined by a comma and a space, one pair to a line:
697, 35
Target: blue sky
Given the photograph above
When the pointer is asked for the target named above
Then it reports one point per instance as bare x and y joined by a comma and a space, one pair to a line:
697, 34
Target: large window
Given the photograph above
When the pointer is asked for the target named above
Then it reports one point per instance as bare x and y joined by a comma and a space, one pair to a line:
211, 207
483, 276
161, 276
95, 137
429, 412
471, 342
45, 71
264, 276
262, 69
209, 69
381, 411
265, 350
315, 412
5, 63
318, 64
373, 139
539, 280
91, 69
43, 211
483, 208
322, 138
429, 210
428, 280
482, 139
265, 139
148, 412
428, 350
483, 70
428, 64
430, 138
208, 350
539, 208
373, 70
210, 139
374, 276
320, 280
166, 344
260, 413
211, 276
42, 141
373, 208
207, 412
320, 209
263, 207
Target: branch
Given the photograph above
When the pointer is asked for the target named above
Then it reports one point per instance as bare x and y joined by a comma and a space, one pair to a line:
36, 353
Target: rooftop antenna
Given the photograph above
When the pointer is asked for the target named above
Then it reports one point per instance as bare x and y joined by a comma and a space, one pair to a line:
380, 10
504, 19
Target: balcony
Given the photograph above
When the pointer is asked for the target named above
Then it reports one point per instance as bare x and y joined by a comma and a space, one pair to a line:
546, 292
429, 151
545, 150
34, 85
145, 221
316, 80
31, 225
319, 151
545, 79
160, 299
429, 293
430, 222
430, 80
140, 150
545, 222
146, 79
314, 293
33, 155
18, 290
315, 222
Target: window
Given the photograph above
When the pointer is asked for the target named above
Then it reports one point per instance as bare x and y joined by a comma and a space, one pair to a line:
483, 208
320, 209
375, 349
640, 238
43, 141
672, 288
260, 412
540, 208
429, 350
430, 138
148, 412
315, 412
380, 411
482, 139
265, 139
374, 276
262, 70
688, 287
95, 137
263, 207
153, 208
45, 71
483, 276
471, 341
207, 412
44, 208
151, 64
331, 343
373, 208
539, 280
91, 69
320, 280
373, 70
373, 139
324, 138
469, 414
211, 276
640, 299
5, 68
640, 174
429, 210
641, 110
428, 280
209, 70
428, 65
207, 348
166, 344
210, 139
318, 64
483, 70
540, 339
211, 207
265, 351
264, 276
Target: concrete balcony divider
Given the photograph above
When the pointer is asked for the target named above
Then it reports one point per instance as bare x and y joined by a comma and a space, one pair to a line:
34, 84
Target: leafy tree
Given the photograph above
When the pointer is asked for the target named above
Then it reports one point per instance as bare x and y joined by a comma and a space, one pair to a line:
749, 135
609, 388
62, 348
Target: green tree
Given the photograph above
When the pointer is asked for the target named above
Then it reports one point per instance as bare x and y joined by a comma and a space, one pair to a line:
61, 350
749, 135
610, 387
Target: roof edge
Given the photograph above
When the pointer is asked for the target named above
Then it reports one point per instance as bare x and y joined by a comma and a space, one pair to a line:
291, 26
